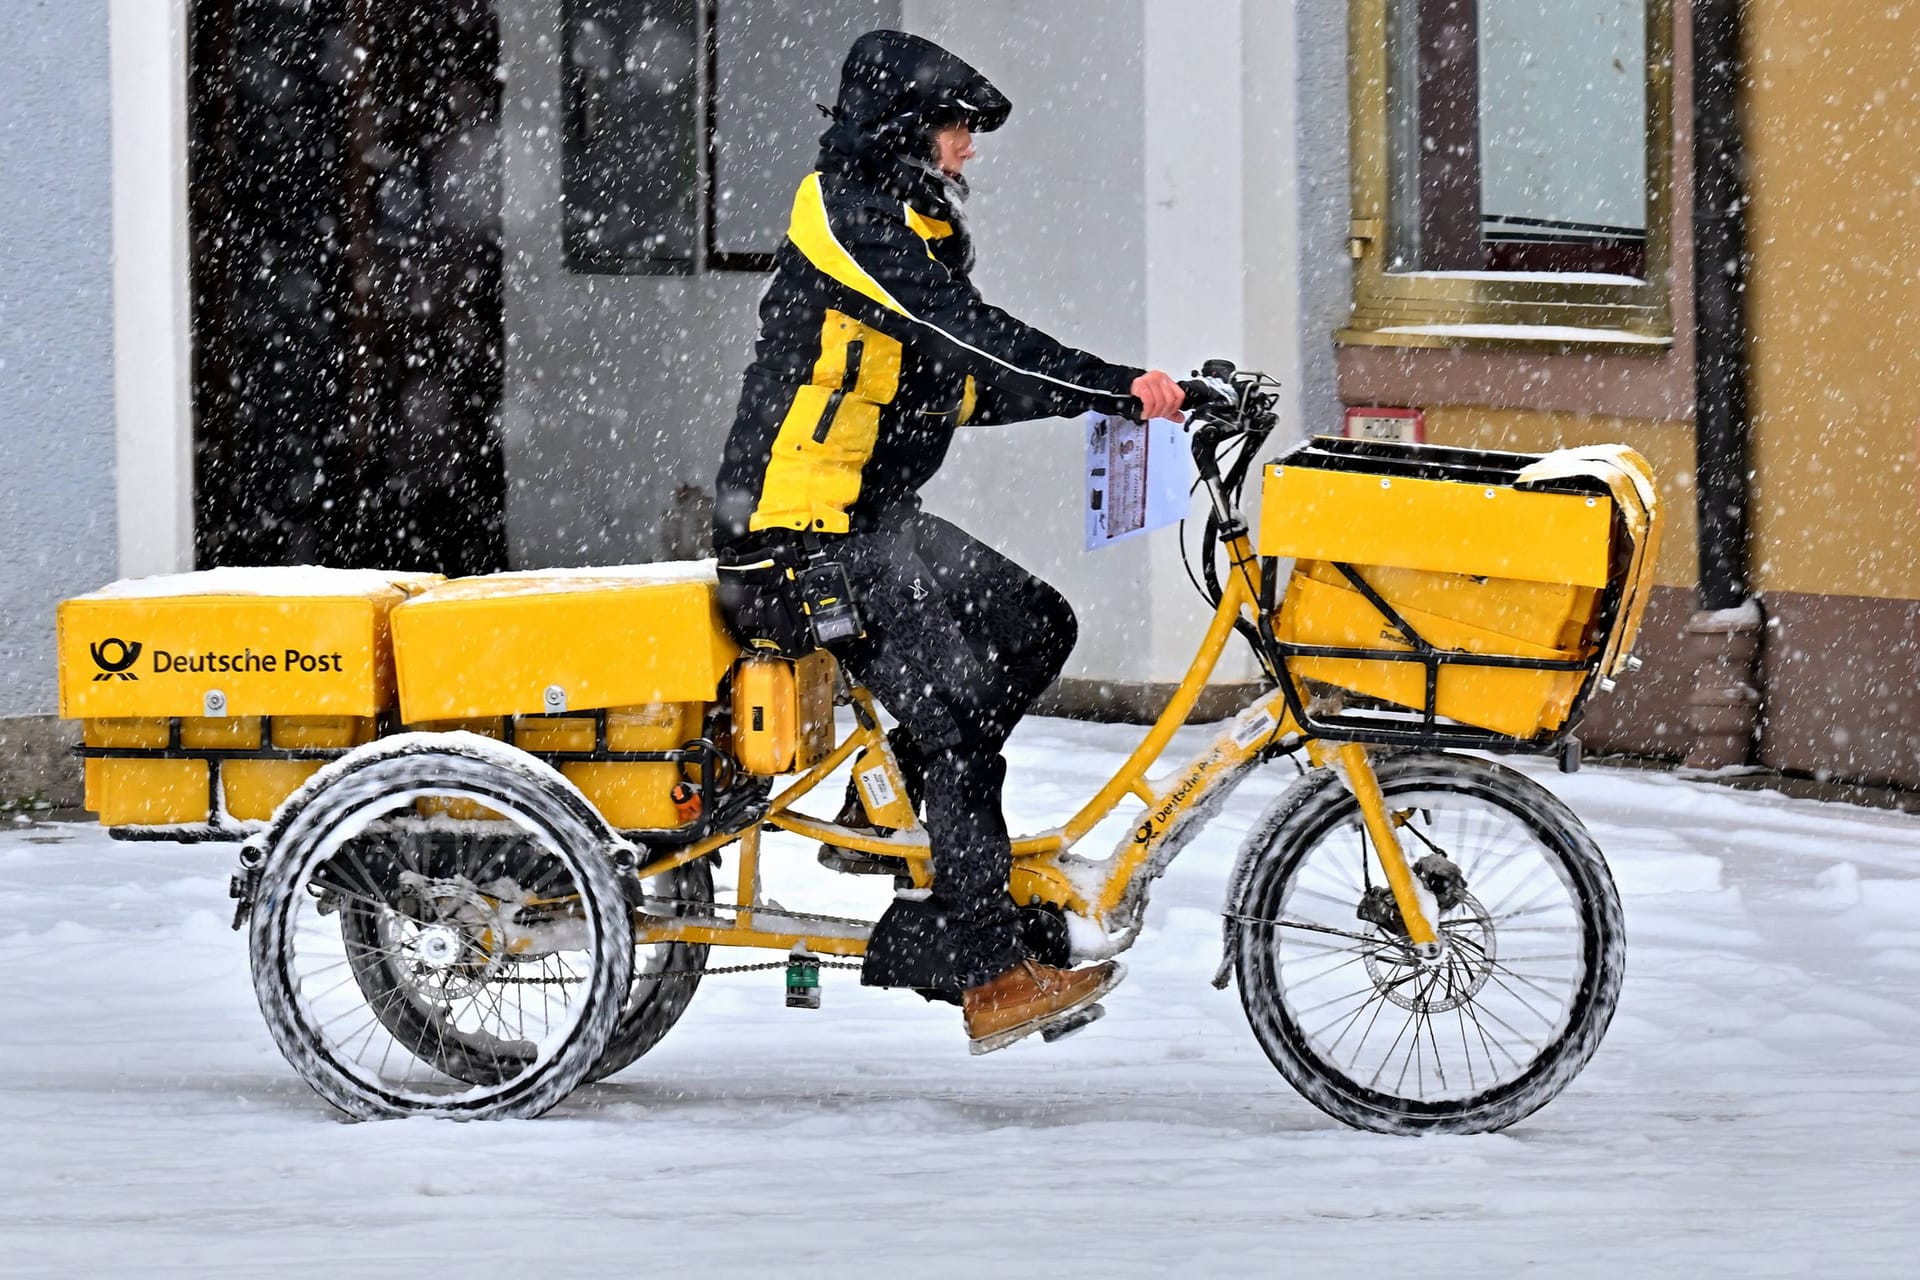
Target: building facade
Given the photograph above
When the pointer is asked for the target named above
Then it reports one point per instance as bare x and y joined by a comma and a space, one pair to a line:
473, 287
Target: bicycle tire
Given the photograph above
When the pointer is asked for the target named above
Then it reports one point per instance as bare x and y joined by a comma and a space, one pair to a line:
1322, 810
318, 824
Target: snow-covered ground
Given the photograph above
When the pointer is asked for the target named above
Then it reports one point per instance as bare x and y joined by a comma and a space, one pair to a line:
1754, 1111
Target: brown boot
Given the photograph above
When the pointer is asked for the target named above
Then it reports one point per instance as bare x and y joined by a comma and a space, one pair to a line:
1029, 997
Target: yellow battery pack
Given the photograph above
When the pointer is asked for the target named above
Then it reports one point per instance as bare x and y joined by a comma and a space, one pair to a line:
783, 712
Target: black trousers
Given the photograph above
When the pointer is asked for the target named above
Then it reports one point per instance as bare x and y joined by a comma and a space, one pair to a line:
959, 642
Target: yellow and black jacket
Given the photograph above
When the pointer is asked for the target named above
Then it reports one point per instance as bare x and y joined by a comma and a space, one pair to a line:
874, 345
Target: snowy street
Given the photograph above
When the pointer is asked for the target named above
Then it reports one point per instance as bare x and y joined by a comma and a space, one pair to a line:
1753, 1111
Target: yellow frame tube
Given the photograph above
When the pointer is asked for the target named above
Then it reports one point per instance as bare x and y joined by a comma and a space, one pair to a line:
1240, 591
735, 935
1237, 594
1358, 770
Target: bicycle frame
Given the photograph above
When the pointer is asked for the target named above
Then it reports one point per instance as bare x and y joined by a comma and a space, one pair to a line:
1110, 892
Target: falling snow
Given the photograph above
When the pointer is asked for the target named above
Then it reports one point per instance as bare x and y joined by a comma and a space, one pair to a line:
1750, 1113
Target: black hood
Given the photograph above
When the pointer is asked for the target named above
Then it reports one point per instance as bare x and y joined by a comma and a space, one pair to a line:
894, 88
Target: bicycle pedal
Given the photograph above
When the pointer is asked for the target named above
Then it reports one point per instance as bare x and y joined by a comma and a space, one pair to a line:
853, 862
1079, 1020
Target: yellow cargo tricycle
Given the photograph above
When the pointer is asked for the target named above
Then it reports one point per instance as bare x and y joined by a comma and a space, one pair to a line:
481, 819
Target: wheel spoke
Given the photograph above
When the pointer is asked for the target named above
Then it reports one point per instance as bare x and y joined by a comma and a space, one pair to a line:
1514, 948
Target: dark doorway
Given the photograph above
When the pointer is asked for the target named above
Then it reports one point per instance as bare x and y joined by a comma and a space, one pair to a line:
344, 174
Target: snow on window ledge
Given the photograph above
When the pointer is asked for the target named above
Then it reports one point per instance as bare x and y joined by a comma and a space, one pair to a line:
1550, 335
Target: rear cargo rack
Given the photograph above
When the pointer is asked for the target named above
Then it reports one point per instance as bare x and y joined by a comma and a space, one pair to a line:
715, 770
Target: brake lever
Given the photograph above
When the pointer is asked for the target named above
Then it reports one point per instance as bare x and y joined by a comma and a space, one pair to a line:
1208, 393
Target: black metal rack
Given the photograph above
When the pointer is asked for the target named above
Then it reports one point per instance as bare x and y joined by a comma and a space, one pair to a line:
1422, 727
1426, 730
723, 803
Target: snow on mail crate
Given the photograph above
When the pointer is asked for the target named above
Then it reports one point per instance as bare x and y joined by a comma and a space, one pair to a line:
177, 680
1489, 589
644, 644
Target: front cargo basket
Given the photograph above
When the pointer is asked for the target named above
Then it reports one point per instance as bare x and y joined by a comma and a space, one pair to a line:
1470, 598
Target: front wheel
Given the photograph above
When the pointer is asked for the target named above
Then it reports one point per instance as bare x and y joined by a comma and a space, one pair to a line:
1530, 966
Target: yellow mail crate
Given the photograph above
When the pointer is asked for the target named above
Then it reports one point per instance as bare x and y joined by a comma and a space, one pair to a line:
202, 662
1546, 559
561, 640
627, 794
644, 644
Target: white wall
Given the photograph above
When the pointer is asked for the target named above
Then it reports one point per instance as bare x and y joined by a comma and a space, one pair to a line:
1146, 201
57, 526
152, 341
1059, 216
618, 388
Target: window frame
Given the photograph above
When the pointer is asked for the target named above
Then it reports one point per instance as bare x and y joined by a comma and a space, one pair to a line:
1534, 309
705, 147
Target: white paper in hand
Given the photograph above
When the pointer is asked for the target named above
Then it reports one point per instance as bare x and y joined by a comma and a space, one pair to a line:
1138, 476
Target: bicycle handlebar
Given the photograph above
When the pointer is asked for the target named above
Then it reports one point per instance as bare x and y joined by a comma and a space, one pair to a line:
1204, 393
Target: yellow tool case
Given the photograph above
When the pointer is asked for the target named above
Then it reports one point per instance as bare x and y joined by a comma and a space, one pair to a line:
606, 673
205, 699
1481, 594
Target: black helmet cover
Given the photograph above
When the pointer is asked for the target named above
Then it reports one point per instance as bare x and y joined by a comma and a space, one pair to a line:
895, 88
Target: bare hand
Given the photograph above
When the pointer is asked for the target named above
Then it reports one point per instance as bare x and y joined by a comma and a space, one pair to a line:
1159, 395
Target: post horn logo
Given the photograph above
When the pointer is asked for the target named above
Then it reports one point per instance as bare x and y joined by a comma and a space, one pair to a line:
111, 666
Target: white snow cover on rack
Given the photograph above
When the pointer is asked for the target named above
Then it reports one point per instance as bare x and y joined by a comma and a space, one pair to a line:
1528, 333
535, 582
305, 580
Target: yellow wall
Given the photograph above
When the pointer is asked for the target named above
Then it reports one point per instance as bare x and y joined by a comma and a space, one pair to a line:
1666, 445
1833, 138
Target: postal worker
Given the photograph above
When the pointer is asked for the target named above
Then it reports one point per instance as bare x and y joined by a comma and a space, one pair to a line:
874, 348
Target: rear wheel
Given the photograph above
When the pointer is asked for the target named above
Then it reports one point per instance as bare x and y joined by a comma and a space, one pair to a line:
1531, 959
432, 965
665, 974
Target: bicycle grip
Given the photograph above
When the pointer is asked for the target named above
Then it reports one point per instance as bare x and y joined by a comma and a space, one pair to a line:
1205, 393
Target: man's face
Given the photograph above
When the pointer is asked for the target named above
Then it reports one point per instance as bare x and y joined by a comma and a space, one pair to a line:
952, 148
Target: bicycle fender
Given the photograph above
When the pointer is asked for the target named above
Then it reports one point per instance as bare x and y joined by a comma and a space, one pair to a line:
1260, 838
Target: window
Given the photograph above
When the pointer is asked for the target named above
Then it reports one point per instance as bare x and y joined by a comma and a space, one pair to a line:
1510, 171
688, 123
632, 168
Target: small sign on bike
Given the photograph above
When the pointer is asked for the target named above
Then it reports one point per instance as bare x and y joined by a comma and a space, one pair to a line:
1138, 475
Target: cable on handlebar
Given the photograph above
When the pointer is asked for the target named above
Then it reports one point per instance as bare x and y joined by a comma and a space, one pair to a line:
1233, 438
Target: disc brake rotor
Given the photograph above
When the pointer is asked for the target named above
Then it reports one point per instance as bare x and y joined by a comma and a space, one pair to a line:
1466, 961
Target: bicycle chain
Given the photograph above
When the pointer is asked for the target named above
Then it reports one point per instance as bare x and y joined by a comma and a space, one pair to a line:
746, 968
678, 974
650, 900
